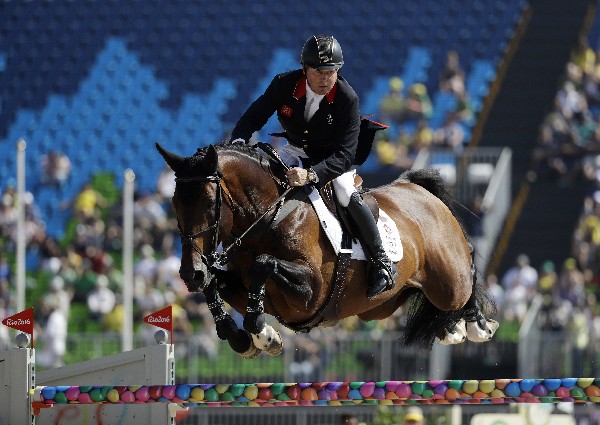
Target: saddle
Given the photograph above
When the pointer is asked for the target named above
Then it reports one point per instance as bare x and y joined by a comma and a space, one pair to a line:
328, 313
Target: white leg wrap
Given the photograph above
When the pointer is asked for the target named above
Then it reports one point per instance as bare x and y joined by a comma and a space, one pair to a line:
457, 336
476, 334
263, 339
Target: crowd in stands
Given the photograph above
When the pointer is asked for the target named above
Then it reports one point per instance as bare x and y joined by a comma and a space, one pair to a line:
407, 110
84, 268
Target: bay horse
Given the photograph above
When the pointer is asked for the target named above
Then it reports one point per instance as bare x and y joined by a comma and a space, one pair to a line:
244, 241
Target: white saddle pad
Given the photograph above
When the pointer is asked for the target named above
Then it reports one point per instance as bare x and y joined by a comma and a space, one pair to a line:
387, 229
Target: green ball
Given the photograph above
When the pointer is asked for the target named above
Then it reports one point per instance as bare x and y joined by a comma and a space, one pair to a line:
277, 388
418, 387
96, 395
237, 389
456, 384
60, 398
211, 395
227, 396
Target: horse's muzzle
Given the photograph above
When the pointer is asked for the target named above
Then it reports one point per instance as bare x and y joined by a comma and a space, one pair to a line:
194, 279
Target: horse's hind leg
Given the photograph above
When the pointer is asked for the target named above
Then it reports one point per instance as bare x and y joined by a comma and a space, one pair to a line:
282, 272
239, 340
473, 325
479, 329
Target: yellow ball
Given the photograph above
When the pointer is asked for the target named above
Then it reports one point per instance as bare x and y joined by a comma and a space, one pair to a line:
197, 393
497, 394
113, 396
487, 386
470, 387
220, 388
585, 382
251, 392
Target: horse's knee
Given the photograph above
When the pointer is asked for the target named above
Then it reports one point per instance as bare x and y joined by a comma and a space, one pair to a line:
264, 265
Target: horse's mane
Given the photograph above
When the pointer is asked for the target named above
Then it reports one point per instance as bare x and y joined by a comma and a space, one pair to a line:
247, 150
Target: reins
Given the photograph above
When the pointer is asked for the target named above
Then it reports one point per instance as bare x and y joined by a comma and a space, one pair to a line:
215, 258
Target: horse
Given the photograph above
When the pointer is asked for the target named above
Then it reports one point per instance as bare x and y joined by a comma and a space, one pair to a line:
249, 240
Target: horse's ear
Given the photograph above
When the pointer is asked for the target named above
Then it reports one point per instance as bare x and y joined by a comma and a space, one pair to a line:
210, 161
173, 160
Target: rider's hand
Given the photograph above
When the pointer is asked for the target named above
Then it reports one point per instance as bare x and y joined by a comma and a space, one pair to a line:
297, 176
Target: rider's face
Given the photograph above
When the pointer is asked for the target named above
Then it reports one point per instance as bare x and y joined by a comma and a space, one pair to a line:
321, 82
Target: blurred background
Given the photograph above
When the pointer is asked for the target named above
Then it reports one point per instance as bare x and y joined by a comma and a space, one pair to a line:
502, 96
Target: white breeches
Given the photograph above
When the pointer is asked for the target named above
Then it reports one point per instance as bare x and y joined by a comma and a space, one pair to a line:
343, 185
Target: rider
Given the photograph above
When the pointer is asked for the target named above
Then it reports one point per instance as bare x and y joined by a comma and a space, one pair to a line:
319, 112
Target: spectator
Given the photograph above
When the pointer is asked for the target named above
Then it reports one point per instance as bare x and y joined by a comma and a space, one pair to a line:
146, 266
54, 338
414, 416
151, 299
150, 219
58, 296
423, 137
452, 76
418, 103
571, 283
521, 272
583, 56
88, 202
392, 106
548, 282
56, 168
451, 134
8, 216
515, 302
102, 299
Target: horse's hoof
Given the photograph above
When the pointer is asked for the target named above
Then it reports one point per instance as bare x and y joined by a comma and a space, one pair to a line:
268, 340
457, 336
476, 333
251, 353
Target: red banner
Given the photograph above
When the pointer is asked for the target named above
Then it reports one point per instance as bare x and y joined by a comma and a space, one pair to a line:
162, 318
22, 321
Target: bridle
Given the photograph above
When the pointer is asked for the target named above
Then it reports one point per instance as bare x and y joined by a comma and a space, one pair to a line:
188, 239
215, 258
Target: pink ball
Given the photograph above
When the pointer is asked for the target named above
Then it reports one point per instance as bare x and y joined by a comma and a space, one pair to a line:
142, 394
127, 397
72, 393
169, 391
366, 389
84, 398
403, 391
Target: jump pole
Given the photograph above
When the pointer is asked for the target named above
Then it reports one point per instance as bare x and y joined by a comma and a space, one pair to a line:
491, 391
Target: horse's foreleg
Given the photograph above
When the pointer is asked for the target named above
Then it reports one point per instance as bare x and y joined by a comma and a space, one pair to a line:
227, 329
283, 273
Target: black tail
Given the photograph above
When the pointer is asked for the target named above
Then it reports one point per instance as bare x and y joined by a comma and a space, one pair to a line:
424, 321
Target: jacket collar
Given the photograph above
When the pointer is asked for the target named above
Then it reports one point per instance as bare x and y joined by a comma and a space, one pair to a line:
300, 90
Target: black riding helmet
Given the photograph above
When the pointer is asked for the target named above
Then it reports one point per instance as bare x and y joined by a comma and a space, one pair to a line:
322, 52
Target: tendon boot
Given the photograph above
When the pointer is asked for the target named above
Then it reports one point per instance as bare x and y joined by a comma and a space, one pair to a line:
381, 271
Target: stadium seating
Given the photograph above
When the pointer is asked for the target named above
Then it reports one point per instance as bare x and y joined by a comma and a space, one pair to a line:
103, 81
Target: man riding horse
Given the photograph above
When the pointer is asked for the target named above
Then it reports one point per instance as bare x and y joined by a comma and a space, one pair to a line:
319, 111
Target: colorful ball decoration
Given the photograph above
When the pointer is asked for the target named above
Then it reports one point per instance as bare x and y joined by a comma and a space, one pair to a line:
335, 393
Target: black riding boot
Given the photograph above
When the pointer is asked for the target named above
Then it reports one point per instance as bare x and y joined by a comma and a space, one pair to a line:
381, 271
